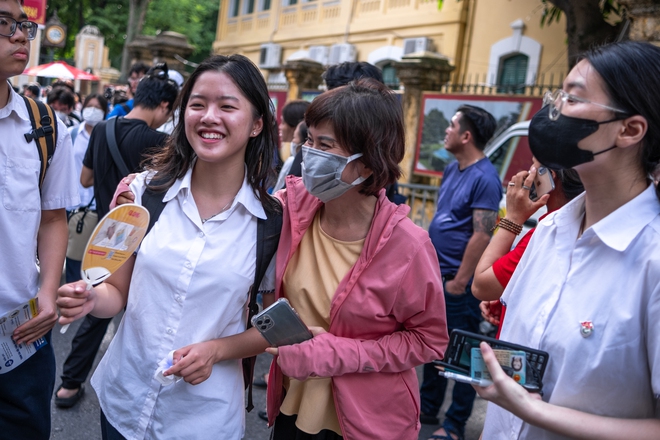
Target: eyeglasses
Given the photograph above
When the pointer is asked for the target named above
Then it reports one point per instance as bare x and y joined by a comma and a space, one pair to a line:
556, 100
8, 27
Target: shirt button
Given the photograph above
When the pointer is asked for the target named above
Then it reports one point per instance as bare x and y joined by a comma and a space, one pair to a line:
200, 235
188, 265
178, 298
170, 331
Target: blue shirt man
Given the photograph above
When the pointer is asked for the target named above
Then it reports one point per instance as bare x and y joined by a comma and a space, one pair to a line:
460, 231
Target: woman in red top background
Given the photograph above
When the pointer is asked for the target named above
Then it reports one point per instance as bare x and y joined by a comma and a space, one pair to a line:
499, 261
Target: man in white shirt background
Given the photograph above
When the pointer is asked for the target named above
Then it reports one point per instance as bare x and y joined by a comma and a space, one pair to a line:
32, 221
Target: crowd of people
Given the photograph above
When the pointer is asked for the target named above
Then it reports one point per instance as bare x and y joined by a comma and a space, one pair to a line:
379, 294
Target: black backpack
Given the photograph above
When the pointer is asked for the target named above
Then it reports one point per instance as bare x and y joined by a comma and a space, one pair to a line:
268, 237
44, 133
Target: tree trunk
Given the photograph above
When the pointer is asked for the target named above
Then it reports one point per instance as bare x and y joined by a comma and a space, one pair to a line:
136, 14
585, 26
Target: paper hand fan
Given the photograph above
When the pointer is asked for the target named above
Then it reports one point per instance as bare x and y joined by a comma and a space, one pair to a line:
113, 241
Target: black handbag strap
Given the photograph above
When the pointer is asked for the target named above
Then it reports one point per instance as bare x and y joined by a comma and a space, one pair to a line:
114, 149
81, 221
268, 238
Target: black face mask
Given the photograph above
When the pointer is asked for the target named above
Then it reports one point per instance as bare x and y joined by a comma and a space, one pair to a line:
555, 143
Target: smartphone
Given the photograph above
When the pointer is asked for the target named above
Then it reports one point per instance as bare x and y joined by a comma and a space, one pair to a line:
543, 184
280, 325
459, 355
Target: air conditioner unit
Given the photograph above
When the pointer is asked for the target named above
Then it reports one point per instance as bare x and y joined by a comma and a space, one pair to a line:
341, 53
270, 55
421, 44
319, 54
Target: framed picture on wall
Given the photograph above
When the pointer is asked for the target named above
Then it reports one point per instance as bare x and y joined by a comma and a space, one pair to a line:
278, 99
431, 157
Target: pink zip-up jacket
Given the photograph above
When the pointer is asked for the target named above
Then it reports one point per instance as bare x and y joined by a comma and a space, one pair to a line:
386, 317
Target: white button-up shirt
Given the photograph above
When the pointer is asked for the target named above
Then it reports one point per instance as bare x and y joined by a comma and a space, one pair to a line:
79, 149
190, 284
21, 206
610, 277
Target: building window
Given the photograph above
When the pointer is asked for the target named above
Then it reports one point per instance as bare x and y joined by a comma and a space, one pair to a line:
513, 71
248, 7
389, 76
264, 5
290, 2
233, 8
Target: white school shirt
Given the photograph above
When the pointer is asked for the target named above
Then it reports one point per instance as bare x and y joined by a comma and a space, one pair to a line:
79, 149
610, 276
190, 284
21, 205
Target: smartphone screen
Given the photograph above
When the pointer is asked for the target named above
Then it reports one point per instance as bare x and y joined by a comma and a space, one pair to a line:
543, 184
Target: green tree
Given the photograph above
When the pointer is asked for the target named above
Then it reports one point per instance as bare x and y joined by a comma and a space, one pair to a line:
433, 130
109, 16
197, 19
137, 10
587, 23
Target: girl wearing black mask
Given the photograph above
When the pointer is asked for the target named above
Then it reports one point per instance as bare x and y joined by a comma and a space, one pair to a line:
593, 265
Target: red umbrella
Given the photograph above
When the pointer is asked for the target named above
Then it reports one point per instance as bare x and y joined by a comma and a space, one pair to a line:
60, 69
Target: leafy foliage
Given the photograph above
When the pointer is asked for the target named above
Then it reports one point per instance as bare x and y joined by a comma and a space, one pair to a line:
195, 18
553, 13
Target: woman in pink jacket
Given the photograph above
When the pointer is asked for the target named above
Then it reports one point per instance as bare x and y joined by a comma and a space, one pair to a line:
360, 274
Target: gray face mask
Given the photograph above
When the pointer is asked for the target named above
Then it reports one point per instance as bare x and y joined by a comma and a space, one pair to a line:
321, 173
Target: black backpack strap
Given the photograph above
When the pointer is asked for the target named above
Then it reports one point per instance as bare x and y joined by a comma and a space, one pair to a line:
111, 138
268, 237
126, 108
44, 133
153, 201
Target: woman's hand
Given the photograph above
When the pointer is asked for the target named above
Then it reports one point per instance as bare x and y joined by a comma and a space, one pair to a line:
123, 194
194, 362
519, 207
315, 332
491, 311
504, 391
74, 301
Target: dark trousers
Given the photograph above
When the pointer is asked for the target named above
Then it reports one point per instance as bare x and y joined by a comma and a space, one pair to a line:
285, 429
84, 347
462, 313
72, 273
108, 432
25, 394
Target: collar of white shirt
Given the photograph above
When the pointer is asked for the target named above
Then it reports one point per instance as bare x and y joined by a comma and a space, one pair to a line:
15, 104
245, 195
635, 215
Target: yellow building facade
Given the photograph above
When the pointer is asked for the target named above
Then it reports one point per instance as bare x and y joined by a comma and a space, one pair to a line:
487, 41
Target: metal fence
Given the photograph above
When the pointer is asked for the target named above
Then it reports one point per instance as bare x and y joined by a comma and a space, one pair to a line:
423, 200
471, 84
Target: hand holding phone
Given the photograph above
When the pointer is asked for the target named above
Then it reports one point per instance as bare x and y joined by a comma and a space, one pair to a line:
280, 325
459, 355
543, 184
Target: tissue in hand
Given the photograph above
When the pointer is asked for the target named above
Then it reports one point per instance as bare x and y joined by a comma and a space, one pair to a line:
163, 365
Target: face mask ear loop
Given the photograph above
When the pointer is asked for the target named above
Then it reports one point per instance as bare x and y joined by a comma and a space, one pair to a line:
605, 150
360, 179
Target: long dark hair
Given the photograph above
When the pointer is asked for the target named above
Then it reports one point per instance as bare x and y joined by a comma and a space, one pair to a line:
177, 156
631, 73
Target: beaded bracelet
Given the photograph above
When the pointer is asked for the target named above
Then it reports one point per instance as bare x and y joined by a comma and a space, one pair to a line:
510, 226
